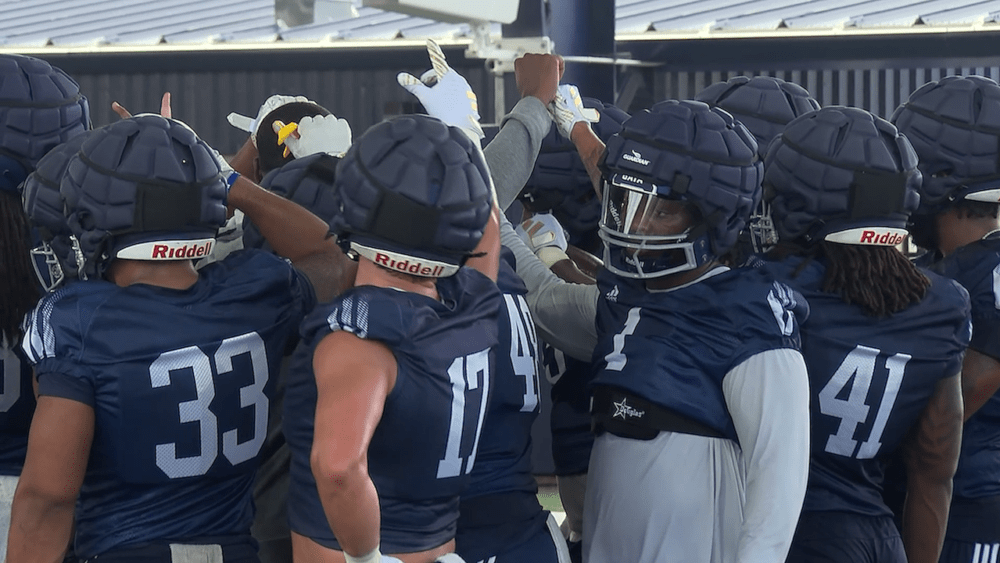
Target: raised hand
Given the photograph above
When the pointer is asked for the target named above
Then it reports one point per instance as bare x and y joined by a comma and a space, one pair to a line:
567, 110
165, 110
445, 94
320, 134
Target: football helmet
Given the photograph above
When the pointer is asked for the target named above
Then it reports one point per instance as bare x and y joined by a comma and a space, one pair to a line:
414, 195
559, 182
308, 181
143, 188
953, 125
764, 105
40, 107
58, 256
843, 175
676, 150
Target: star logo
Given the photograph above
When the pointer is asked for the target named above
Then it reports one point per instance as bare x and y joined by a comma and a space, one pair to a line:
624, 410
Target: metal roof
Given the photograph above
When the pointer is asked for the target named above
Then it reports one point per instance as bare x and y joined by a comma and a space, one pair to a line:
40, 24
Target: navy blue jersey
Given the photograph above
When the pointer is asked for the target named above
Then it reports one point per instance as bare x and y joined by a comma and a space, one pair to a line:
180, 382
17, 403
674, 348
977, 267
427, 442
869, 378
503, 463
500, 506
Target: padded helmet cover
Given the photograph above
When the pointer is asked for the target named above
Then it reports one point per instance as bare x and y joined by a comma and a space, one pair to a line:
763, 104
414, 186
308, 181
840, 168
40, 107
954, 127
142, 179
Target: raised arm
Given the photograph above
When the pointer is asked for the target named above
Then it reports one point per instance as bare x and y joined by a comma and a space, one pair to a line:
298, 235
564, 313
511, 154
930, 454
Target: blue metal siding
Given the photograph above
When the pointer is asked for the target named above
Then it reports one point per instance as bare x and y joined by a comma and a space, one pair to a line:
879, 91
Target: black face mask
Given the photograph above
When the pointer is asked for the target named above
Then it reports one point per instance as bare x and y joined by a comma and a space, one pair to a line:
923, 230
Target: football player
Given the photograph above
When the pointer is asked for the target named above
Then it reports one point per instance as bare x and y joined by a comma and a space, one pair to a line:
295, 145
384, 427
883, 344
501, 519
560, 194
701, 396
41, 107
154, 377
953, 127
671, 385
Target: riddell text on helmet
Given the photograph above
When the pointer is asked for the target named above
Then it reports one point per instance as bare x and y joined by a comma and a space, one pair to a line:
181, 252
415, 268
883, 239
168, 250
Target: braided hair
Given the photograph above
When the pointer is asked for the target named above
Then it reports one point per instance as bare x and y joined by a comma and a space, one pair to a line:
18, 292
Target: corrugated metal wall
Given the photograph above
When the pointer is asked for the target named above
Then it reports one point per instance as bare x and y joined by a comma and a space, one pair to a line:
878, 90
203, 99
361, 85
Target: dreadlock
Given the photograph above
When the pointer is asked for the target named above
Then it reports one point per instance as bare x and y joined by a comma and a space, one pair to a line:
18, 290
879, 279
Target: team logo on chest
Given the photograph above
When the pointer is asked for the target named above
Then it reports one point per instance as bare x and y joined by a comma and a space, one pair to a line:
612, 295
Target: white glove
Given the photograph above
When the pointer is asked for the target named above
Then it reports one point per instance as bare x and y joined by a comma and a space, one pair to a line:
450, 558
250, 125
543, 234
567, 110
445, 94
320, 134
542, 230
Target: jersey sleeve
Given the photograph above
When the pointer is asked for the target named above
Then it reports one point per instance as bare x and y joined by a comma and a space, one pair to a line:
53, 344
515, 147
358, 313
982, 302
771, 321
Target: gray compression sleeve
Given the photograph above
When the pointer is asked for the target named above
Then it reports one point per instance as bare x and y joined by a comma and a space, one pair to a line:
511, 154
563, 312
